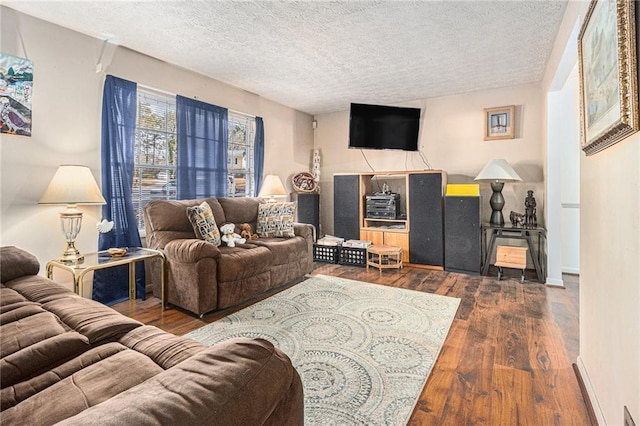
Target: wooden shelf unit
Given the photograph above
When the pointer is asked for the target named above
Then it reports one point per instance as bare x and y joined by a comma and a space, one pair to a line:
397, 232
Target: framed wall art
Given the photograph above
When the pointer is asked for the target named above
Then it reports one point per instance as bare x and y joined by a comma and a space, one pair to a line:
498, 123
607, 52
16, 85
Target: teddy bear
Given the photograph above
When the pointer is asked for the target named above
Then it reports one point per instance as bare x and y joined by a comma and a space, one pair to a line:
245, 232
229, 235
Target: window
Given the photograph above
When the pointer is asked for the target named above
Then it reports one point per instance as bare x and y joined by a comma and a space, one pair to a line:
240, 159
155, 152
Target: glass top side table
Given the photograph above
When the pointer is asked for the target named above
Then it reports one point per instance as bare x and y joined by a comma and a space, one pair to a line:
102, 260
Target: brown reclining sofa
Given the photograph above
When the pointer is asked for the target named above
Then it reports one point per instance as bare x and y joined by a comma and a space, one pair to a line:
202, 277
72, 361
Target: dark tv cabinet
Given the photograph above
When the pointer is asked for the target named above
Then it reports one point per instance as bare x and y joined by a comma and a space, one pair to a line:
419, 230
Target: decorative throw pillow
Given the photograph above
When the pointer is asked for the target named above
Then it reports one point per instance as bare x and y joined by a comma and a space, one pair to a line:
204, 224
276, 219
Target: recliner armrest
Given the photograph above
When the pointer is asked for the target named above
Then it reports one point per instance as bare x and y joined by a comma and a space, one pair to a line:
304, 230
190, 250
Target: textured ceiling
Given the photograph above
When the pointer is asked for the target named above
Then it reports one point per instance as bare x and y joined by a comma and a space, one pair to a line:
318, 56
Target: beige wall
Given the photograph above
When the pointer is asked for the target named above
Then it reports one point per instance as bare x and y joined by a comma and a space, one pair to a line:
451, 140
610, 277
66, 124
609, 260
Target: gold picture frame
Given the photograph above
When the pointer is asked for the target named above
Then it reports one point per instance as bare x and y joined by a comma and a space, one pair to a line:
498, 123
608, 74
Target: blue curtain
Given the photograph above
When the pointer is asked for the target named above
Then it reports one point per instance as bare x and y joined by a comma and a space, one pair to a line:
111, 285
258, 154
202, 149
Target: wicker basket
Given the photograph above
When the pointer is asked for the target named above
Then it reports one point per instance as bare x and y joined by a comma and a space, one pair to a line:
304, 182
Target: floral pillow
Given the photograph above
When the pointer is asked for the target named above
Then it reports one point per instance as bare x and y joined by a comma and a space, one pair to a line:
276, 219
204, 224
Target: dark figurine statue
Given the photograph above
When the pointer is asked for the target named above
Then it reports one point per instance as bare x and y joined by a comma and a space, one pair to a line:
517, 219
530, 217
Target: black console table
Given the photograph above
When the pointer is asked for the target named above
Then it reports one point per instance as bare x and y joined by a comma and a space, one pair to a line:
518, 233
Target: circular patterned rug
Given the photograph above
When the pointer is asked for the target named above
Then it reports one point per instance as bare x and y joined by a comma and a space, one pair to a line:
364, 351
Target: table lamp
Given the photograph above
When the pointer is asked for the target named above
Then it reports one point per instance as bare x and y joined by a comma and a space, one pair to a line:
72, 185
272, 187
497, 172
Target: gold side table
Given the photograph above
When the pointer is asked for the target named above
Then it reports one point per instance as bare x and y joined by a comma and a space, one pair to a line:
103, 260
384, 257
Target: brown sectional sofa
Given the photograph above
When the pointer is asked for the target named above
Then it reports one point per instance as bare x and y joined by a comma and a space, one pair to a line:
72, 361
202, 277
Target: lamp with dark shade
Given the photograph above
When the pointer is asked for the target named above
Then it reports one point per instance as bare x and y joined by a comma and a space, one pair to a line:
272, 187
497, 171
72, 185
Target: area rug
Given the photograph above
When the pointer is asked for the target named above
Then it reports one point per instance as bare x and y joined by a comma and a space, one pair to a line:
364, 351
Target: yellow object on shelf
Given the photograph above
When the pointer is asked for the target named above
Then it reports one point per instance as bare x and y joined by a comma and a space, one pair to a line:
463, 189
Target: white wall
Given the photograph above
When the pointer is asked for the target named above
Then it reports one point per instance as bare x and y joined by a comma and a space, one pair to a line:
66, 108
610, 277
570, 176
609, 263
452, 140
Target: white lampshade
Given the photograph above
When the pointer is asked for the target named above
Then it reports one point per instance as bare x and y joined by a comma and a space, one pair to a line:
498, 170
72, 184
272, 187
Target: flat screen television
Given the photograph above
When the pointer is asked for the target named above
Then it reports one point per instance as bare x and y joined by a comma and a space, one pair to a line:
383, 127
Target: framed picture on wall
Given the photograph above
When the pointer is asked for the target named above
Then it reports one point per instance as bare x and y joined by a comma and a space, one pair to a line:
498, 123
607, 51
16, 87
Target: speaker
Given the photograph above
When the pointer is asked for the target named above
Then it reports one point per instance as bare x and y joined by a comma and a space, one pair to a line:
346, 203
309, 210
462, 234
426, 245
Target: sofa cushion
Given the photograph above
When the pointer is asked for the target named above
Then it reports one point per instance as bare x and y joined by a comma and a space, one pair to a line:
276, 219
284, 250
41, 356
254, 379
169, 215
240, 210
163, 348
85, 388
12, 395
204, 224
242, 261
32, 340
27, 331
16, 263
39, 289
10, 297
92, 319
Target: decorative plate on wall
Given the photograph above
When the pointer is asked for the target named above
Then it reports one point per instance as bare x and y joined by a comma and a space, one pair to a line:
304, 182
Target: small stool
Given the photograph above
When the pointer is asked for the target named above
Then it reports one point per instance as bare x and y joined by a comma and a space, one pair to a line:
511, 257
384, 257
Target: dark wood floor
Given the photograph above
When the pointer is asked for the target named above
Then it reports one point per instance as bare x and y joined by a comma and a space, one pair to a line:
507, 360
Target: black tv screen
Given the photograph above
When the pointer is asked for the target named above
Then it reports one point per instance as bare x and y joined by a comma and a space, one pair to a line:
383, 127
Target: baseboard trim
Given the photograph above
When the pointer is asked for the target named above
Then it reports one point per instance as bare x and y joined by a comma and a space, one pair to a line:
588, 394
555, 282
